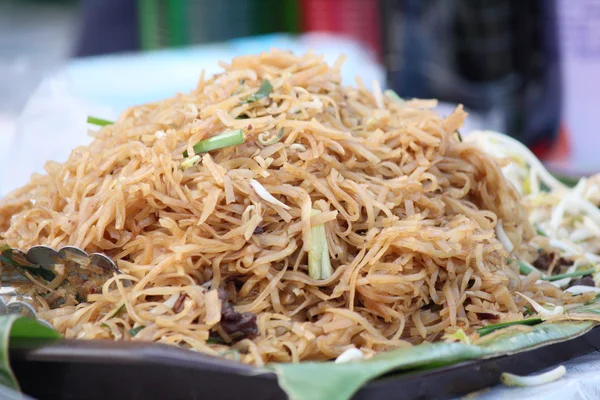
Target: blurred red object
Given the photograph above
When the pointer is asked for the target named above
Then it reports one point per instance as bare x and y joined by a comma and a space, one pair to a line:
558, 151
357, 19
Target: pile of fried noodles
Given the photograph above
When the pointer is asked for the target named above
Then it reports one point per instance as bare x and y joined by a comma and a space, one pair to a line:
214, 248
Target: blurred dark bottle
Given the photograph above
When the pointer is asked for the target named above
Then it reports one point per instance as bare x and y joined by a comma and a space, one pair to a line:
497, 57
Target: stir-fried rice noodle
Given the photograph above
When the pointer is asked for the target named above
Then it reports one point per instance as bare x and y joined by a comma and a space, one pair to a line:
410, 213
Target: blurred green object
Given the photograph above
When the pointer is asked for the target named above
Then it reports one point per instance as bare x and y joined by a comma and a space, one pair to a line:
292, 16
61, 2
174, 23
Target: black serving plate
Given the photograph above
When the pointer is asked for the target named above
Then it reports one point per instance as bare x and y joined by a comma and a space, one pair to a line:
69, 369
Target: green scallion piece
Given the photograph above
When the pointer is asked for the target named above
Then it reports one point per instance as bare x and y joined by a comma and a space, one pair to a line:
226, 139
118, 311
525, 268
319, 264
394, 96
460, 139
592, 301
528, 310
272, 140
263, 91
44, 273
569, 181
190, 162
494, 327
135, 331
544, 188
6, 258
569, 275
239, 88
98, 121
280, 135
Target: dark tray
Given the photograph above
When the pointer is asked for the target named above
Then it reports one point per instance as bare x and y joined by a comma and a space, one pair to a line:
69, 369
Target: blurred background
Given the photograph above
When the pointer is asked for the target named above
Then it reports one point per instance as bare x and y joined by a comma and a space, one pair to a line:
528, 68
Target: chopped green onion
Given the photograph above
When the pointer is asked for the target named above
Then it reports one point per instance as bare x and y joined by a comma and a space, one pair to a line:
6, 257
135, 331
215, 340
569, 181
98, 121
118, 311
540, 232
319, 264
544, 188
524, 381
262, 138
264, 90
568, 275
494, 327
459, 336
460, 139
394, 96
44, 273
103, 325
225, 139
525, 268
190, 162
239, 88
592, 301
279, 135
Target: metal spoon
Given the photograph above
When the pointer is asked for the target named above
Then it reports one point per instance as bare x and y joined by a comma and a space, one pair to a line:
83, 273
13, 303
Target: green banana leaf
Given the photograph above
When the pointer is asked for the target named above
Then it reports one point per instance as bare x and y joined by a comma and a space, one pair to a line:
330, 381
16, 327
